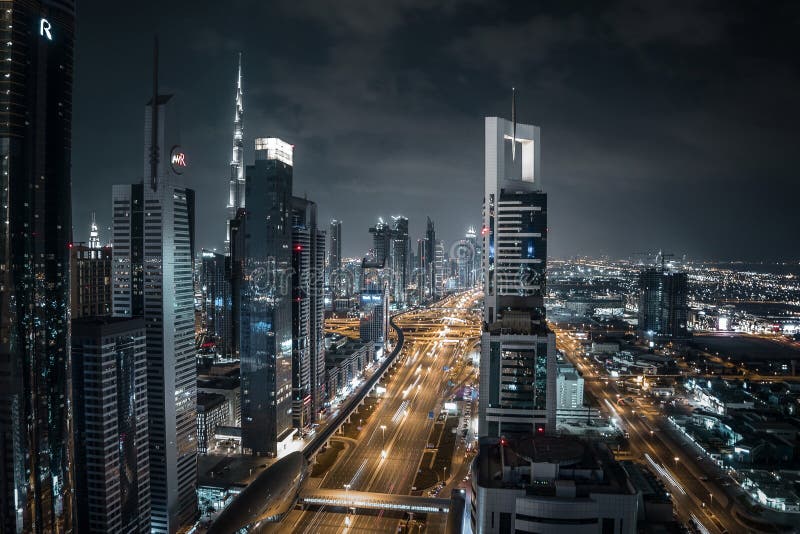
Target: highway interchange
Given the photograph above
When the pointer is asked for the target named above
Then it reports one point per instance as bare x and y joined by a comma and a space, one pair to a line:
385, 455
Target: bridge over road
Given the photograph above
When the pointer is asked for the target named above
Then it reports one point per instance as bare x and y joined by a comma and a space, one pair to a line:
379, 501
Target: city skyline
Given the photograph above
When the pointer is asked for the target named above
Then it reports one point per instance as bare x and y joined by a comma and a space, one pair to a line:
309, 317
679, 105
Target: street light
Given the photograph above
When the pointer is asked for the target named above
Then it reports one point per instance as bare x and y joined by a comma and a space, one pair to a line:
676, 462
711, 499
444, 471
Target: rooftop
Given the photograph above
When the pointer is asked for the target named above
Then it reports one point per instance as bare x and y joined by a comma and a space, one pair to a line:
550, 466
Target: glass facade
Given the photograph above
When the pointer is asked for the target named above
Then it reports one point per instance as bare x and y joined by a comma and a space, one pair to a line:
36, 479
265, 305
217, 302
663, 304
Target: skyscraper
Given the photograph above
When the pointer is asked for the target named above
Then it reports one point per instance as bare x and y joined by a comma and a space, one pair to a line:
663, 304
308, 288
36, 491
381, 242
335, 252
90, 281
215, 276
426, 273
112, 474
438, 269
399, 259
264, 255
236, 183
518, 364
301, 324
153, 266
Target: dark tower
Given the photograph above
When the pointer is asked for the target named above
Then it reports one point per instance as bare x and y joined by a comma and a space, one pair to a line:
36, 479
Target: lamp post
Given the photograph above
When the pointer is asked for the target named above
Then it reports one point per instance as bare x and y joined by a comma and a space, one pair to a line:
676, 462
444, 472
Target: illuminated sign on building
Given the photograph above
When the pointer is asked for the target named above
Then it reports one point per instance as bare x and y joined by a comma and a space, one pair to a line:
178, 160
44, 29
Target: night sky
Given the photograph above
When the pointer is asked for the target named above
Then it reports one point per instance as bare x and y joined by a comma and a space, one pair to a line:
665, 125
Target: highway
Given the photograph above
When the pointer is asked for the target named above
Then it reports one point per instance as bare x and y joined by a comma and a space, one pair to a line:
387, 452
675, 462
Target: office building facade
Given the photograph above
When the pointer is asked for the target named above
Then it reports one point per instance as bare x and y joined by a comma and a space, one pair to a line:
262, 250
335, 251
36, 479
217, 302
90, 281
308, 310
153, 267
112, 467
663, 305
518, 363
400, 259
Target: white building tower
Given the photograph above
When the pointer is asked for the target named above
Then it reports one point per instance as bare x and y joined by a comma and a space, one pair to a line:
237, 181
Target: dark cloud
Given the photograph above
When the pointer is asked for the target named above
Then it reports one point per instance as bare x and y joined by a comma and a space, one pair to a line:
664, 124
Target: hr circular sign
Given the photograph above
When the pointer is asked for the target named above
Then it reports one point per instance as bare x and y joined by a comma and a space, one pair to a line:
177, 159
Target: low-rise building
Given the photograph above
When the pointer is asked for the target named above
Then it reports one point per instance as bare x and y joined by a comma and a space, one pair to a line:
345, 361
548, 484
212, 411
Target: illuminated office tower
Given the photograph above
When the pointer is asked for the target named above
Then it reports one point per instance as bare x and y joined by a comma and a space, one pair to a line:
518, 364
90, 280
308, 262
439, 269
663, 304
262, 258
153, 267
36, 491
216, 305
112, 474
335, 251
381, 243
400, 259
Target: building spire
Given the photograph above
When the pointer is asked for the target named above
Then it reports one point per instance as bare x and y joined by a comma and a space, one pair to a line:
513, 123
94, 235
236, 180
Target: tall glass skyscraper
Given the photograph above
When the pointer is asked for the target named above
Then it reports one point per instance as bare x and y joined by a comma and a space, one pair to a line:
518, 364
153, 278
264, 232
36, 482
663, 304
335, 254
308, 263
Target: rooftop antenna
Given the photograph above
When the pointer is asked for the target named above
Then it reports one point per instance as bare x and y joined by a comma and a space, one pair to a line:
154, 155
513, 123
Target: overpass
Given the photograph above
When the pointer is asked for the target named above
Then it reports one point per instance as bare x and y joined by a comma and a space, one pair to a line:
377, 501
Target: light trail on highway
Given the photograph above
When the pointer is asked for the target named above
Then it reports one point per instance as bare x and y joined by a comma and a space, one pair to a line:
437, 346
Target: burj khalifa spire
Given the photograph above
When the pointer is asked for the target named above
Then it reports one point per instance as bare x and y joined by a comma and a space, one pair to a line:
236, 196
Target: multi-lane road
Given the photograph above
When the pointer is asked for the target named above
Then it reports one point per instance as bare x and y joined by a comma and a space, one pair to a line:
387, 452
